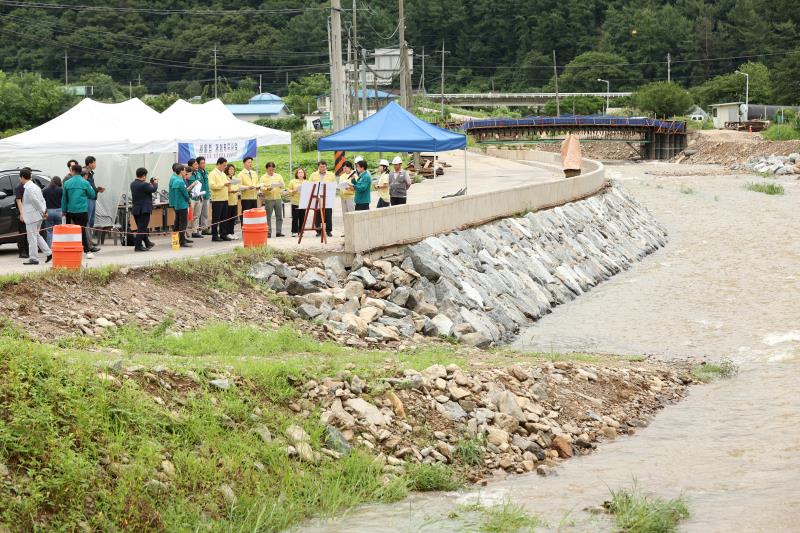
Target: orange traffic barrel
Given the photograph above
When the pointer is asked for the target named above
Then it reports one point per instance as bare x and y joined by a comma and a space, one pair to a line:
67, 246
254, 227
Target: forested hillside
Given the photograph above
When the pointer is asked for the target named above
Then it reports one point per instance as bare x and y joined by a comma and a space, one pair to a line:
128, 48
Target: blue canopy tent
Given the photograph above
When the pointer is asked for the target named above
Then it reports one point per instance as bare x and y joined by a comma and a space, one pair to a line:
393, 129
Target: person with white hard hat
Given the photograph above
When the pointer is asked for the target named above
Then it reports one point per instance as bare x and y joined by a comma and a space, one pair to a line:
383, 184
399, 183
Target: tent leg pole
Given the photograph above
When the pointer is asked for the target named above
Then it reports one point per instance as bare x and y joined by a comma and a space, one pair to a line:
465, 171
290, 157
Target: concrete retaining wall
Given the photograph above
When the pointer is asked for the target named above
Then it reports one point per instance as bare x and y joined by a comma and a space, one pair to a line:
406, 224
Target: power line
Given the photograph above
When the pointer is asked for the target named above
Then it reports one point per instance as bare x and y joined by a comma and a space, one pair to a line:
155, 11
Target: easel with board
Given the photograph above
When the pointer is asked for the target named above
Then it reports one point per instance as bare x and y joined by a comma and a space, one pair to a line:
316, 197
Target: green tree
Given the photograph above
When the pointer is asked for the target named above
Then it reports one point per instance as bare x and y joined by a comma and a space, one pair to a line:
663, 99
644, 33
731, 87
240, 95
103, 87
575, 105
160, 102
303, 93
27, 100
786, 81
582, 73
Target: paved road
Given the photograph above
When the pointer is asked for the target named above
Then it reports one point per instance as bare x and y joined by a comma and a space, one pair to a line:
485, 174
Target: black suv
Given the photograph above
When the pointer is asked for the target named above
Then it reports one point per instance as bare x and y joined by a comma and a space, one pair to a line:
9, 214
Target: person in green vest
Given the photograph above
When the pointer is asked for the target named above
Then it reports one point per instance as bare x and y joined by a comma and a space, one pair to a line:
179, 201
75, 196
363, 186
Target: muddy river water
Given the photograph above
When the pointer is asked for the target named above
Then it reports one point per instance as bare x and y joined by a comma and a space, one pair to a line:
727, 285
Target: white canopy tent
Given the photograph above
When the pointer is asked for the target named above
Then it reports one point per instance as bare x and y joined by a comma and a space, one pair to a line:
212, 121
123, 137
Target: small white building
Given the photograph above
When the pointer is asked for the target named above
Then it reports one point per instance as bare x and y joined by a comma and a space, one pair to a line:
264, 105
728, 112
697, 114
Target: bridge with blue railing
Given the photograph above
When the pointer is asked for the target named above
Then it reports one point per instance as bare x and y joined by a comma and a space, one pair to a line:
651, 138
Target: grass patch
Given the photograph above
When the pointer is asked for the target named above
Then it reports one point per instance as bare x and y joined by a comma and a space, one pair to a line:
685, 189
766, 188
425, 478
471, 450
638, 513
507, 518
707, 372
780, 132
84, 450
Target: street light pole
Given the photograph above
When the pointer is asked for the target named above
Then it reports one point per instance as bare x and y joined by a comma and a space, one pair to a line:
746, 94
608, 92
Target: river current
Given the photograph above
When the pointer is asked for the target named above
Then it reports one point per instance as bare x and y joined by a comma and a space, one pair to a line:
726, 285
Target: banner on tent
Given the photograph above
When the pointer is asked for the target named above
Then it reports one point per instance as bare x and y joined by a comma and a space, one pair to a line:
233, 150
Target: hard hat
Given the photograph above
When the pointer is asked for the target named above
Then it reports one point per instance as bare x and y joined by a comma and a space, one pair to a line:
357, 159
383, 162
397, 160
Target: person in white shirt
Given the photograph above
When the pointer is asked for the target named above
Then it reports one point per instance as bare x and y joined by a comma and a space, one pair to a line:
34, 210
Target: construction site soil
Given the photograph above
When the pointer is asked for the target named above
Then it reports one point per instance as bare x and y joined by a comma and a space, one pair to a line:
721, 147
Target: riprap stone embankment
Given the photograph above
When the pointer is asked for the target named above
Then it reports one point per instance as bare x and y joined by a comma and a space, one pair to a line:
479, 285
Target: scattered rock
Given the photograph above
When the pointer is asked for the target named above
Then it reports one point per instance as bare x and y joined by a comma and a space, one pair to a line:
367, 411
228, 494
222, 384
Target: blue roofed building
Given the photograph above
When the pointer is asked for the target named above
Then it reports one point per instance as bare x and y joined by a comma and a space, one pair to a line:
264, 105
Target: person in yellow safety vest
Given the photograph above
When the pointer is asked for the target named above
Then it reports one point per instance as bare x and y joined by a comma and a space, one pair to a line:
382, 185
347, 195
233, 202
248, 185
298, 211
273, 186
219, 183
322, 175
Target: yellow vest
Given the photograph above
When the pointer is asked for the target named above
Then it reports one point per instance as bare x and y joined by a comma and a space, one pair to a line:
233, 195
347, 194
330, 177
249, 179
216, 182
294, 188
267, 182
384, 180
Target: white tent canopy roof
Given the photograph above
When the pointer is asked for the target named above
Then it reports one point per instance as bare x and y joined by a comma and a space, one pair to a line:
133, 127
211, 121
91, 127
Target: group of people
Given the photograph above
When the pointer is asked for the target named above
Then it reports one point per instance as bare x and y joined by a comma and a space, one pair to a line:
213, 199
73, 199
354, 187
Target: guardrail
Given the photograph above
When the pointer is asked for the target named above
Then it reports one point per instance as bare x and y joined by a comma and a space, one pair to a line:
406, 224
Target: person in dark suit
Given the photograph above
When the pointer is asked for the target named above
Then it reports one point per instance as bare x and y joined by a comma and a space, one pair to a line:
141, 206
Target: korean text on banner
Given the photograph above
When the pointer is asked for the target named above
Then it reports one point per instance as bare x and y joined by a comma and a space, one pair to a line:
232, 150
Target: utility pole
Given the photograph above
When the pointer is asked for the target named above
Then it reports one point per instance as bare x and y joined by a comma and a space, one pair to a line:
66, 69
404, 88
555, 71
422, 77
336, 67
139, 83
364, 104
130, 89
443, 51
259, 84
669, 65
352, 84
215, 71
